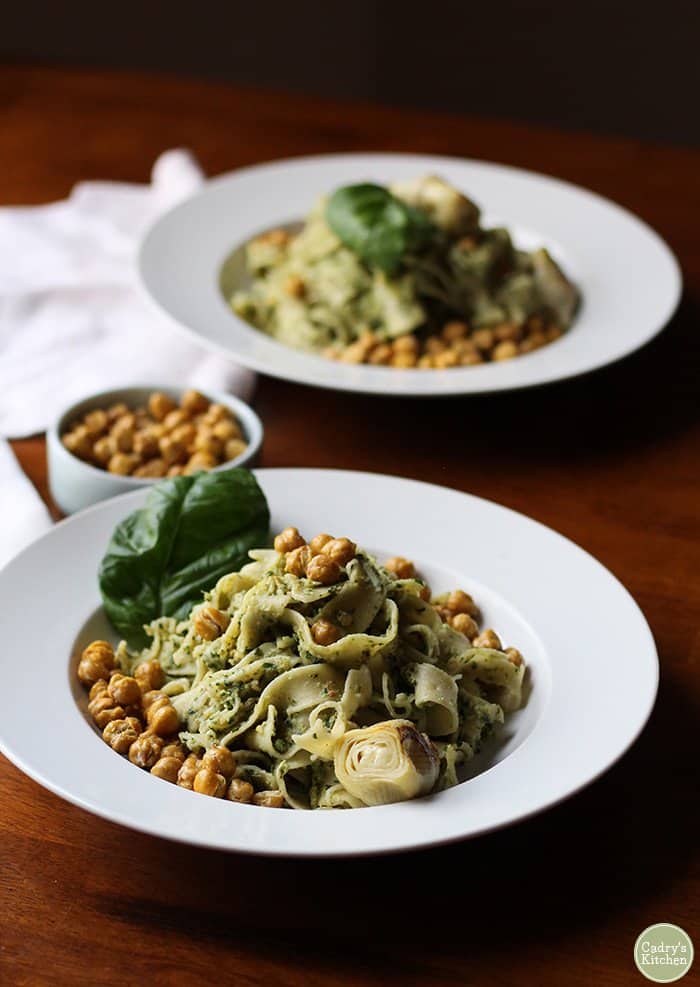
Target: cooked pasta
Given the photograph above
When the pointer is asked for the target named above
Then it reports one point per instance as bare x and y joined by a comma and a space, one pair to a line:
385, 710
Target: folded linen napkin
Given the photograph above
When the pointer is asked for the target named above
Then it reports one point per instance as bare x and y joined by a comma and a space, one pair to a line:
72, 321
23, 515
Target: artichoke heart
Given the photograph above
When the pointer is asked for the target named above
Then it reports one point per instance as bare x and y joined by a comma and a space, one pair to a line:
387, 762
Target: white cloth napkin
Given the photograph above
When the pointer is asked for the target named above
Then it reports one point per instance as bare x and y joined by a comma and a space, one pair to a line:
71, 319
23, 514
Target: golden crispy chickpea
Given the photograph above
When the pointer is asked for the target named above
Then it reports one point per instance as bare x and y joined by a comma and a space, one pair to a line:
514, 656
116, 411
426, 362
96, 422
470, 359
96, 662
401, 568
460, 602
295, 286
288, 540
172, 451
275, 238
341, 550
406, 344
153, 469
149, 675
324, 570
488, 639
356, 352
297, 561
240, 791
226, 429
534, 341
448, 358
122, 463
325, 633
122, 433
318, 541
184, 434
79, 442
443, 613
208, 782
176, 750
146, 750
160, 405
199, 461
404, 360
452, 331
381, 355
220, 760
124, 689
150, 697
166, 768
176, 471
103, 711
508, 331
483, 338
194, 403
103, 450
205, 441
271, 800
120, 734
146, 443
98, 688
233, 449
552, 333
163, 719
505, 350
465, 624
216, 413
174, 419
188, 771
434, 345
210, 623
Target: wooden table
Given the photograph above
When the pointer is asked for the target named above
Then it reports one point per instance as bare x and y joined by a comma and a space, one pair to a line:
612, 461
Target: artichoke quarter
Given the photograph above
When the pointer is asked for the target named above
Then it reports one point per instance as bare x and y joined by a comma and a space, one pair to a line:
387, 762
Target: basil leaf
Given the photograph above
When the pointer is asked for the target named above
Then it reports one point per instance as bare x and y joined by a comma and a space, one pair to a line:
378, 227
191, 531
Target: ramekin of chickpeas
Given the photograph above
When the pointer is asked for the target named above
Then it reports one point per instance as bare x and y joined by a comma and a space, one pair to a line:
123, 439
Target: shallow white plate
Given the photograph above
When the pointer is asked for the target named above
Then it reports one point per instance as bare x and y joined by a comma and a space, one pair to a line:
628, 277
589, 694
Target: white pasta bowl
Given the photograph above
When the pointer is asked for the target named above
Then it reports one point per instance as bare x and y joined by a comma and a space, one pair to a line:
76, 484
585, 705
191, 260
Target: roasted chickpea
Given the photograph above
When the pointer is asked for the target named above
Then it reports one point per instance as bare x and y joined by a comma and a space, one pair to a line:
184, 434
152, 697
452, 331
103, 450
426, 362
79, 442
401, 568
341, 550
162, 718
272, 800
470, 359
404, 360
483, 338
96, 422
234, 448
176, 471
220, 760
465, 624
167, 768
226, 429
96, 662
297, 561
324, 633
215, 413
434, 345
120, 734
174, 419
146, 444
460, 602
122, 433
208, 782
318, 542
146, 750
488, 639
381, 354
174, 749
153, 469
240, 791
406, 344
99, 688
553, 333
210, 623
160, 405
448, 358
324, 570
514, 656
122, 463
288, 540
200, 461
188, 771
508, 331
505, 350
172, 451
443, 613
149, 675
124, 689
103, 711
116, 411
194, 403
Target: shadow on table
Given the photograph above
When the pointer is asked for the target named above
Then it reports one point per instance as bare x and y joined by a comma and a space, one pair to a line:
575, 868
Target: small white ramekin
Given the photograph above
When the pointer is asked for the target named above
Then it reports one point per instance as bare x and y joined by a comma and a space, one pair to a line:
75, 484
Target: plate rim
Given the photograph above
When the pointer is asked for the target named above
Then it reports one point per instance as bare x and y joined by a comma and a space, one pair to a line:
364, 385
145, 825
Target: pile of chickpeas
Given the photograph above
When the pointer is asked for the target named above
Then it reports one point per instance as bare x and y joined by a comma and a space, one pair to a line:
455, 346
163, 439
139, 721
457, 609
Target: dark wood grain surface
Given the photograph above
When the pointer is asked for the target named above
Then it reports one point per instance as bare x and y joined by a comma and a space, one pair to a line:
611, 460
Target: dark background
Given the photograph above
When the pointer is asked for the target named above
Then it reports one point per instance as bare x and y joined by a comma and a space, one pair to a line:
617, 67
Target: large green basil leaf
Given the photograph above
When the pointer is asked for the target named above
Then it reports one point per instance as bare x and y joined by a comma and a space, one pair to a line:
191, 531
378, 227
